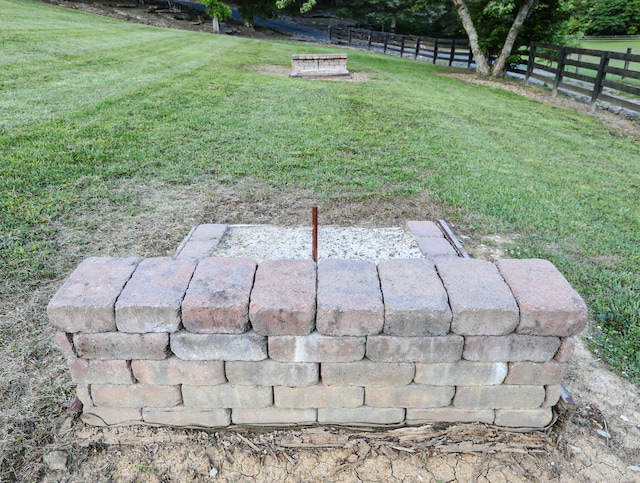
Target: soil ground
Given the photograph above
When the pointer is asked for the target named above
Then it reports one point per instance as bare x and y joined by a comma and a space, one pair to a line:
596, 440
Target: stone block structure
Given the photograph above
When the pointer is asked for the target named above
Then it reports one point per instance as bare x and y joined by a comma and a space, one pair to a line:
319, 65
198, 341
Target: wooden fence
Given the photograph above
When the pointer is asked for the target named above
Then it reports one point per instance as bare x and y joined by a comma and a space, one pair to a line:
613, 77
411, 46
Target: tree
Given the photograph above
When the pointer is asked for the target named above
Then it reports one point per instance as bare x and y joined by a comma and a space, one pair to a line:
218, 11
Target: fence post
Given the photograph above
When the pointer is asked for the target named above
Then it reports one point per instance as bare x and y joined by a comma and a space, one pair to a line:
369, 39
349, 43
530, 62
417, 48
452, 54
626, 61
402, 46
385, 43
579, 60
602, 73
558, 79
435, 51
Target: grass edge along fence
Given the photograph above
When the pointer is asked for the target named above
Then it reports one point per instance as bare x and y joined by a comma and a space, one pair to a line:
597, 74
411, 46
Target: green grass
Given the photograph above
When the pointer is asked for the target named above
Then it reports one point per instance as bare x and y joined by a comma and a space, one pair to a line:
88, 102
613, 45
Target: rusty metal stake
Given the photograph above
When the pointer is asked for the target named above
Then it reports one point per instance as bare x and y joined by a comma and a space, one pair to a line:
448, 234
314, 220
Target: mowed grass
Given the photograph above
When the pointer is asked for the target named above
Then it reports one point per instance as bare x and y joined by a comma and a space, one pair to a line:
89, 104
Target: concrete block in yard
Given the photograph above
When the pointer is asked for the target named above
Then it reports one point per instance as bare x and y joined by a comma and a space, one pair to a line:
318, 396
197, 249
523, 418
361, 415
548, 304
316, 348
86, 301
227, 396
217, 300
117, 345
88, 371
552, 397
273, 416
367, 373
187, 417
135, 396
219, 347
481, 302
387, 348
97, 416
424, 229
152, 299
415, 301
461, 373
173, 371
411, 396
535, 373
434, 248
499, 397
283, 299
513, 347
449, 415
566, 350
349, 298
272, 373
209, 231
65, 341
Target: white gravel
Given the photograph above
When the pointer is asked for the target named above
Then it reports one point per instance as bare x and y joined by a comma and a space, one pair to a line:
262, 242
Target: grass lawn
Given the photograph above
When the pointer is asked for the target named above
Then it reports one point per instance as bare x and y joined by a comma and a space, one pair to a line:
613, 45
90, 106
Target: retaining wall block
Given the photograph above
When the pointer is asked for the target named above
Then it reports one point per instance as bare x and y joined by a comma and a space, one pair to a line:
318, 396
424, 229
151, 299
101, 416
316, 347
65, 341
181, 416
219, 347
367, 373
552, 396
461, 373
481, 301
426, 312
135, 396
411, 396
273, 416
548, 304
86, 301
174, 370
387, 348
283, 299
535, 373
272, 373
349, 301
361, 415
450, 415
86, 371
227, 396
121, 346
499, 397
523, 418
566, 350
435, 248
217, 300
510, 348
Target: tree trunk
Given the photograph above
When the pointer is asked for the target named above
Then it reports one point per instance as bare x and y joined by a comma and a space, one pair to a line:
498, 69
216, 24
392, 27
482, 62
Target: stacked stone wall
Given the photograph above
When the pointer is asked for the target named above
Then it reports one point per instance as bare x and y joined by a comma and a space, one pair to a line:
319, 65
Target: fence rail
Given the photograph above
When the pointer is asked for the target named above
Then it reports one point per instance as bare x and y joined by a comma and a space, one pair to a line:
613, 77
408, 46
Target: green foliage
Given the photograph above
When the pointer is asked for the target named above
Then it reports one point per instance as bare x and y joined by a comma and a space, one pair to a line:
604, 17
249, 9
216, 8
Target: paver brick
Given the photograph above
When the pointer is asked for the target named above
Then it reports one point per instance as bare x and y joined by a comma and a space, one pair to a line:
424, 229
181, 416
217, 300
349, 298
100, 416
367, 373
198, 249
566, 350
272, 373
548, 304
434, 248
361, 415
552, 396
273, 416
118, 345
535, 373
316, 348
283, 299
227, 396
481, 302
219, 347
135, 396
318, 396
411, 396
523, 418
173, 371
86, 301
449, 415
65, 341
415, 301
499, 397
87, 371
461, 373
151, 300
387, 348
510, 348
209, 231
